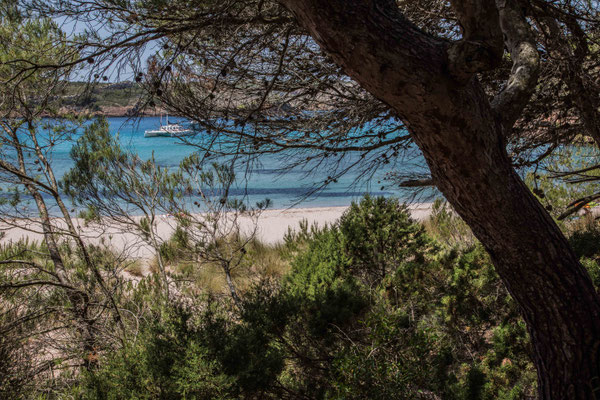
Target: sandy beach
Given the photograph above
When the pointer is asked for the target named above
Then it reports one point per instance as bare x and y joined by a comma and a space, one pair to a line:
271, 228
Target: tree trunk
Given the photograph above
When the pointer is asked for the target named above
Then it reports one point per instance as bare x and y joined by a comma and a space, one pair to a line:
533, 258
462, 141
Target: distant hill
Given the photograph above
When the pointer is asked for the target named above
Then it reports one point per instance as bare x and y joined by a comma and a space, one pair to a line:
110, 99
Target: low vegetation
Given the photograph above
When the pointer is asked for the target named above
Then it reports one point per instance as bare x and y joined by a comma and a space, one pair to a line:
412, 310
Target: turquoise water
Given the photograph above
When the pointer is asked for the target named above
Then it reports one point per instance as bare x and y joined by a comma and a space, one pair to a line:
267, 178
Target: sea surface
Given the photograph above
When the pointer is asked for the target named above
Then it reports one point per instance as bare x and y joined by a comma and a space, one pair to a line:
268, 178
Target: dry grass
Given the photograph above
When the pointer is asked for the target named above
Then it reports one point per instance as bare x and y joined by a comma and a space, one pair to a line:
267, 260
136, 268
447, 227
259, 261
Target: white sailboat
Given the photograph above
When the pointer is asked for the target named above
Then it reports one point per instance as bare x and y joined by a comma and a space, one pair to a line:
168, 130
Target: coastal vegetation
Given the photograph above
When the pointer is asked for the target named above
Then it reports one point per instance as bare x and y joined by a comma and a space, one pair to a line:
494, 296
107, 99
415, 311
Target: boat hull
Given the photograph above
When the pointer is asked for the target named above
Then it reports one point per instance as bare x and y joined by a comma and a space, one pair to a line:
171, 130
150, 134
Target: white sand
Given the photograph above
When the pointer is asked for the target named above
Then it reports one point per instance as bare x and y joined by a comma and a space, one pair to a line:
272, 226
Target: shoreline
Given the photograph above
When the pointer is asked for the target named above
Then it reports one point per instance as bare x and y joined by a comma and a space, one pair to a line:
271, 227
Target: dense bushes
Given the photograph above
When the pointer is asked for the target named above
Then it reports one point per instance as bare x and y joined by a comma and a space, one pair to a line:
373, 307
166, 361
441, 327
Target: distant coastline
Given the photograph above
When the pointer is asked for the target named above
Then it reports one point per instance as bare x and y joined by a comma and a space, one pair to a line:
120, 99
113, 111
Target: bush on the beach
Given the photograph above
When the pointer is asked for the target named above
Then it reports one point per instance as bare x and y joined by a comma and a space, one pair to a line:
378, 234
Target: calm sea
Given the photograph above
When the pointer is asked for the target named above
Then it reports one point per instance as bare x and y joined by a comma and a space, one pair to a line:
267, 179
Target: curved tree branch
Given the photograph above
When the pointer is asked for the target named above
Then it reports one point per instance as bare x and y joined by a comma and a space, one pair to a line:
521, 44
481, 46
412, 183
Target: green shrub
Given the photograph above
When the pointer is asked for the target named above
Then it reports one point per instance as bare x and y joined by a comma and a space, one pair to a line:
378, 234
178, 245
593, 269
166, 361
586, 242
443, 326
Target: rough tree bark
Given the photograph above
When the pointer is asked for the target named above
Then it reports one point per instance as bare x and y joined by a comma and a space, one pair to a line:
462, 138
